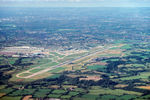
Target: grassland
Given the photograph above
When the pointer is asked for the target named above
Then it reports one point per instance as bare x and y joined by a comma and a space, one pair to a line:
2, 86
22, 92
54, 95
127, 46
123, 97
6, 90
59, 86
93, 94
11, 98
94, 67
59, 91
12, 60
41, 93
57, 55
98, 90
143, 75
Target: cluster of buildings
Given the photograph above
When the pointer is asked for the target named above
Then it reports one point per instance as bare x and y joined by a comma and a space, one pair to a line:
24, 51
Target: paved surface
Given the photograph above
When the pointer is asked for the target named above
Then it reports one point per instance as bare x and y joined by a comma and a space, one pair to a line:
62, 64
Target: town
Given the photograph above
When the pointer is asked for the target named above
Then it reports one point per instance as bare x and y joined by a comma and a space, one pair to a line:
24, 51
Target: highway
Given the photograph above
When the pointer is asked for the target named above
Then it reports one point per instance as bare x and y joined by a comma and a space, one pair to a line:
64, 63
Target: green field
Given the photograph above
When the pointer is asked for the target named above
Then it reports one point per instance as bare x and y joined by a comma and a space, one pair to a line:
25, 74
12, 60
56, 54
90, 97
59, 91
73, 93
143, 75
98, 90
113, 97
127, 46
94, 67
71, 87
54, 95
22, 92
65, 96
41, 93
36, 70
6, 90
2, 86
57, 70
54, 76
11, 98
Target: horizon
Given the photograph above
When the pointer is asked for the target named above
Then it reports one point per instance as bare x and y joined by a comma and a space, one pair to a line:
74, 3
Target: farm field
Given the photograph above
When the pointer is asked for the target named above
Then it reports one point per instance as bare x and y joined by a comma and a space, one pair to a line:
74, 53
91, 77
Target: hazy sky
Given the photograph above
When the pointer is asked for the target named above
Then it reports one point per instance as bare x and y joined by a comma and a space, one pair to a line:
75, 3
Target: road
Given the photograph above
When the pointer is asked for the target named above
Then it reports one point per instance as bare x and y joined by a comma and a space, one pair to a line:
64, 63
